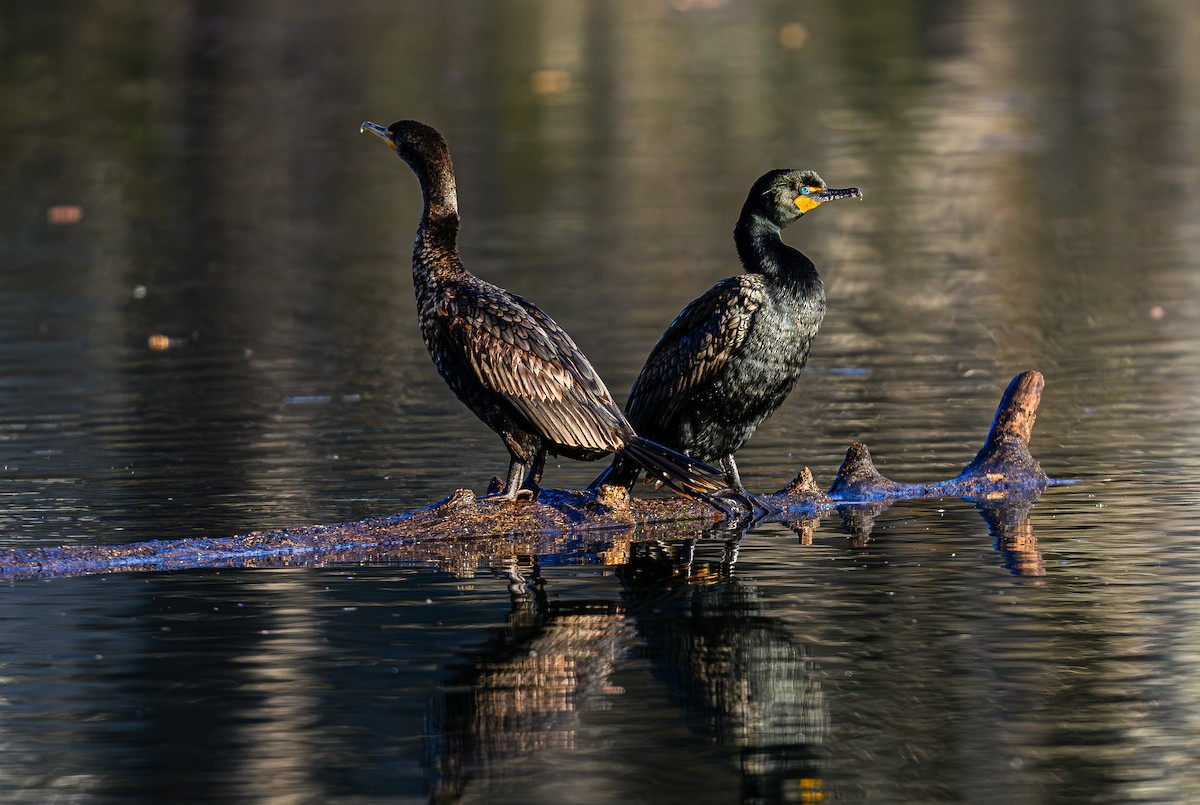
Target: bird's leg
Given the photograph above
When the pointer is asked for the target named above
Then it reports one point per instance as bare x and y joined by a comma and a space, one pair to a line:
512, 485
534, 478
737, 491
729, 467
729, 557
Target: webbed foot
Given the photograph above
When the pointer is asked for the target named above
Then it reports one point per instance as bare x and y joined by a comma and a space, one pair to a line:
743, 505
524, 493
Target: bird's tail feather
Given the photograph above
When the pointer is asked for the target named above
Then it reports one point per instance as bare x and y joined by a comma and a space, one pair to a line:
683, 474
621, 472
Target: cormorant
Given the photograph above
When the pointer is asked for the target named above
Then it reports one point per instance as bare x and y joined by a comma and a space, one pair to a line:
508, 361
731, 357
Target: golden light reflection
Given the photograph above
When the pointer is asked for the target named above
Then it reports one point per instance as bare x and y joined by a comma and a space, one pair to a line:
277, 737
550, 82
793, 35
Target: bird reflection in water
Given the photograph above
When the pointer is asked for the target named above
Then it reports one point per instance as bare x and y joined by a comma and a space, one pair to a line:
704, 633
711, 641
522, 691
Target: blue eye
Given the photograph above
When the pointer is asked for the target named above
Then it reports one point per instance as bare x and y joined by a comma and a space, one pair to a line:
804, 191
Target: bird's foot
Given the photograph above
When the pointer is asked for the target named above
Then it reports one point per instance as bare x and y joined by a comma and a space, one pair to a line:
496, 491
738, 503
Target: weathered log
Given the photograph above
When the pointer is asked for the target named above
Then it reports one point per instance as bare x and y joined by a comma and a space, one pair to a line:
1002, 466
463, 531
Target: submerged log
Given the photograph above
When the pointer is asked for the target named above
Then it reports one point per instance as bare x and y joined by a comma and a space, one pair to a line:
463, 530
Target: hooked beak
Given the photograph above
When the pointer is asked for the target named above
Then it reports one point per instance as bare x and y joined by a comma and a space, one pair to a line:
810, 201
379, 131
833, 194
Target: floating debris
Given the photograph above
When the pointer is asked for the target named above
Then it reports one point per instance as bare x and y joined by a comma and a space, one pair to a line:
159, 342
60, 214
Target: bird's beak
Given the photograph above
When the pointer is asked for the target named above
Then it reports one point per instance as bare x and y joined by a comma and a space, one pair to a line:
833, 194
379, 131
814, 200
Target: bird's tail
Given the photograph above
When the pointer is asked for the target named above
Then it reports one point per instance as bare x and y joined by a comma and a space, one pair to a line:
683, 474
621, 472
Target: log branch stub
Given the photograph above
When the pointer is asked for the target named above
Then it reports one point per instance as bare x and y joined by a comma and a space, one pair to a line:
859, 479
1005, 456
1017, 411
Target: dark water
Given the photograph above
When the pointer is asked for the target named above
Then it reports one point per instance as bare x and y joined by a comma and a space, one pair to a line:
1030, 173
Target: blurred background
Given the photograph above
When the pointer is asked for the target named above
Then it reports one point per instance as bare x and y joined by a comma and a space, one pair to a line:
207, 327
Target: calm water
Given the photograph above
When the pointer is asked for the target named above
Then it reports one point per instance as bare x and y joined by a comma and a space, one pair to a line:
1031, 173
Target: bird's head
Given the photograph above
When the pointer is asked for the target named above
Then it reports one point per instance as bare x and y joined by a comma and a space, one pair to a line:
414, 142
782, 196
423, 148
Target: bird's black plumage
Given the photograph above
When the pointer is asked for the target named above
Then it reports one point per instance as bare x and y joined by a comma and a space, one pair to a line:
731, 357
504, 358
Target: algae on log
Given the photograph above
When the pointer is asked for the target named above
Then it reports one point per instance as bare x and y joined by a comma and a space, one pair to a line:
463, 531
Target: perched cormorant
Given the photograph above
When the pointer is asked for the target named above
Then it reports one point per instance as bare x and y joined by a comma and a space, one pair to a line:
508, 361
731, 357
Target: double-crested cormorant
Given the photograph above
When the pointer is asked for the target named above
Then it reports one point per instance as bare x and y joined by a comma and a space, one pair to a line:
508, 361
731, 357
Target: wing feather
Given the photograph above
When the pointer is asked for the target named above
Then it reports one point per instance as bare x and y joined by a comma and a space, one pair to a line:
522, 355
694, 349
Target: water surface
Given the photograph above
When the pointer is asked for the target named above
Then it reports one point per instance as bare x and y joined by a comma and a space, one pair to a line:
1030, 179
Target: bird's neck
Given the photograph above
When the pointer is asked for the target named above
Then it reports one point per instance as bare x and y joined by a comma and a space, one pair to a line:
436, 248
762, 251
440, 194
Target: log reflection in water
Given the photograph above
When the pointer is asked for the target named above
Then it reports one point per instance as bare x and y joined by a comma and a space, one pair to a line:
1008, 522
1007, 519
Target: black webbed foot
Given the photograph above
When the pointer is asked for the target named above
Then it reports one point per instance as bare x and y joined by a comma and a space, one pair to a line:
513, 488
513, 495
744, 506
